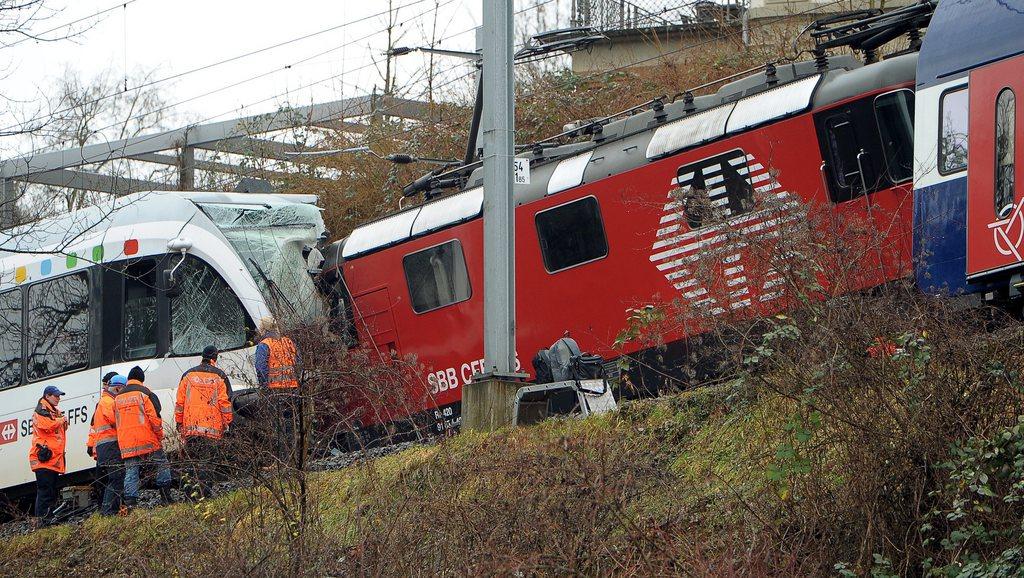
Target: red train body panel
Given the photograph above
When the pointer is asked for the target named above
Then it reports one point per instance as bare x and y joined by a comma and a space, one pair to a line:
648, 252
995, 213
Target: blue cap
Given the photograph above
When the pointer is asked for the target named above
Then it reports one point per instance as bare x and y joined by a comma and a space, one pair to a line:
118, 381
52, 390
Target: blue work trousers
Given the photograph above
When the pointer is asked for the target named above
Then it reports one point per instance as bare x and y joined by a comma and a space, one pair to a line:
110, 475
157, 459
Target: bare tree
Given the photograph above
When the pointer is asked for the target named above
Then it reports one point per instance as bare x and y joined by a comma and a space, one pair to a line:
392, 27
97, 109
20, 21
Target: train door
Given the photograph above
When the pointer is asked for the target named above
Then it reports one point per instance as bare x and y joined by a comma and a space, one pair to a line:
995, 211
867, 167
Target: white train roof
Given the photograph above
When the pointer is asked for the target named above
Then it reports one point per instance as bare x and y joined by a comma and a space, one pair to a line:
737, 107
140, 215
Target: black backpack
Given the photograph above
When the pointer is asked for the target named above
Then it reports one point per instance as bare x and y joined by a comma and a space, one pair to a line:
586, 366
554, 363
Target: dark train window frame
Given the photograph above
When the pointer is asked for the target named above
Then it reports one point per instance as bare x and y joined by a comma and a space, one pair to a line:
125, 280
881, 136
21, 337
835, 157
748, 194
408, 279
860, 115
544, 245
26, 323
996, 181
938, 136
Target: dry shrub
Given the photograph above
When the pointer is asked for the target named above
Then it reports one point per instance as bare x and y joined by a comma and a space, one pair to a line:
285, 522
881, 388
568, 501
888, 404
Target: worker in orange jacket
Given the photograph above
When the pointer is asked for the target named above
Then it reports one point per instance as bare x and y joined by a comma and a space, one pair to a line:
202, 414
46, 455
277, 358
278, 366
102, 445
140, 436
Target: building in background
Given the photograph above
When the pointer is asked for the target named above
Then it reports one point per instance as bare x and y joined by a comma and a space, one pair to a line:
653, 32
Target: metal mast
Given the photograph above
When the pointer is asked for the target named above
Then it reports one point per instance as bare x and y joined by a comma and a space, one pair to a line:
499, 206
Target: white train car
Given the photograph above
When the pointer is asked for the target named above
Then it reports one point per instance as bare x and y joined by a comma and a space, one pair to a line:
148, 279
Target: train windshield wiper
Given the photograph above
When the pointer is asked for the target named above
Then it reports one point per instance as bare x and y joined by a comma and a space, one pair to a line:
277, 292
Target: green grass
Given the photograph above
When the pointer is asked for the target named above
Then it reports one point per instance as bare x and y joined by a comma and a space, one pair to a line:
653, 463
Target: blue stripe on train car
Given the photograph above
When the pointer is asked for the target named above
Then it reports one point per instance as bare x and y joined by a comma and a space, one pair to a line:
940, 239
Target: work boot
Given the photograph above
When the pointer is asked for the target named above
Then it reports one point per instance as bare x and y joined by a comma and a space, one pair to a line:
166, 498
127, 505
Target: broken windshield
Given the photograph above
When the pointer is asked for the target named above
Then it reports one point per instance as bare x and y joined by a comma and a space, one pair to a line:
270, 241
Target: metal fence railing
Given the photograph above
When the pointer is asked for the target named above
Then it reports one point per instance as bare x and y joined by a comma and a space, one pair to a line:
631, 14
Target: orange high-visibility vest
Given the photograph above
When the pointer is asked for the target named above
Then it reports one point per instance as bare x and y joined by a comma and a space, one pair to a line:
139, 427
202, 407
104, 422
281, 362
48, 430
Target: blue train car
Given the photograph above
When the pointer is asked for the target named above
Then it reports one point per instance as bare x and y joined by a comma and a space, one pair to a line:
968, 210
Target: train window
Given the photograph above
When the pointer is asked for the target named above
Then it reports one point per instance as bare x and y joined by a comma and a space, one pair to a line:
10, 338
953, 132
140, 309
571, 234
894, 113
853, 150
437, 276
58, 326
1006, 123
714, 189
204, 311
842, 144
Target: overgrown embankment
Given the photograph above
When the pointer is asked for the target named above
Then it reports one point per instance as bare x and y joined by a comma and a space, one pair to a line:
871, 436
640, 490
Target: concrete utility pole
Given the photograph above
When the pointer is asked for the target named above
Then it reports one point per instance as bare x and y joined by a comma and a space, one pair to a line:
499, 206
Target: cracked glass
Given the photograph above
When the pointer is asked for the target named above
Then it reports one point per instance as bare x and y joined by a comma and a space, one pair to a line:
270, 241
205, 311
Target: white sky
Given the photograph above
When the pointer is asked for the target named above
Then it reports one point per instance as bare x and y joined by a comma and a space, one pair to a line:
173, 37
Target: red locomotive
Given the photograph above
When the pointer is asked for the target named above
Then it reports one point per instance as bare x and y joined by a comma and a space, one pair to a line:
611, 223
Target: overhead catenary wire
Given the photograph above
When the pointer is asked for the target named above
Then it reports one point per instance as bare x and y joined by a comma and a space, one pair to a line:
35, 35
627, 65
236, 84
343, 114
249, 79
340, 115
660, 55
219, 62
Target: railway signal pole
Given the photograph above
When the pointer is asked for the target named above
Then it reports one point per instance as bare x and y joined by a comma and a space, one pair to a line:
499, 205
